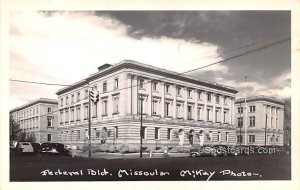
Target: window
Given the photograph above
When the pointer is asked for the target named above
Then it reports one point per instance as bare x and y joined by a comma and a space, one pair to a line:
217, 99
252, 121
78, 96
67, 100
72, 114
154, 107
67, 115
266, 119
61, 116
86, 94
210, 135
199, 93
61, 101
49, 121
49, 110
225, 119
240, 122
156, 133
276, 123
169, 134
167, 109
144, 135
104, 107
208, 114
154, 86
189, 109
217, 116
178, 110
178, 91
219, 137
86, 111
252, 108
78, 113
251, 138
209, 97
72, 98
199, 113
227, 136
225, 100
239, 138
240, 110
104, 88
277, 139
141, 101
190, 93
116, 104
167, 89
141, 83
272, 122
49, 137
116, 83
94, 109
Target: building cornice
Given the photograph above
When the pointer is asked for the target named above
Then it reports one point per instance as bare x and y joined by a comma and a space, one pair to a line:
129, 64
259, 98
34, 102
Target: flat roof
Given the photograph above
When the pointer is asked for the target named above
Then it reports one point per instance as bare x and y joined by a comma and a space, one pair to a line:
33, 102
149, 68
259, 98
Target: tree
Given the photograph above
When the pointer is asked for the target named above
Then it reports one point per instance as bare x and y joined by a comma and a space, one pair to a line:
287, 121
17, 134
14, 128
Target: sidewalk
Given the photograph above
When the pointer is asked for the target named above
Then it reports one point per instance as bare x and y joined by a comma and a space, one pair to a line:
107, 155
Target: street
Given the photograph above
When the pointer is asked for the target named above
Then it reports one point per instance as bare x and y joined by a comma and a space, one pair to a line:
61, 168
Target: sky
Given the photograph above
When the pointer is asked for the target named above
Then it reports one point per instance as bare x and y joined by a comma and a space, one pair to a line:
65, 47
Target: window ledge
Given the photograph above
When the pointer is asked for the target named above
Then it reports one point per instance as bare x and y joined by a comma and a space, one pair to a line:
104, 115
115, 113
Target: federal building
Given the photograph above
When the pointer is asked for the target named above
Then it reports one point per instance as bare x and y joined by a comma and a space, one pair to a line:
260, 118
38, 119
176, 109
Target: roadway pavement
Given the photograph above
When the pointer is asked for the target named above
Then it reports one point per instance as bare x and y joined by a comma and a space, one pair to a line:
61, 168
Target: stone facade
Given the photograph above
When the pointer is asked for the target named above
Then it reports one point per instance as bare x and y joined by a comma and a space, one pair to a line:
177, 109
38, 119
264, 120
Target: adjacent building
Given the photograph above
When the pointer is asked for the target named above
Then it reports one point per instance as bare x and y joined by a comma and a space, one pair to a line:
177, 109
264, 123
38, 119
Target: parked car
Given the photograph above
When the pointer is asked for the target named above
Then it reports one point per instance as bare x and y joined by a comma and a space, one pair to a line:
205, 150
25, 147
54, 148
36, 147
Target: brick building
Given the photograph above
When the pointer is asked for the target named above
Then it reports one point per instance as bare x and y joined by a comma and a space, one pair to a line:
264, 120
177, 108
38, 119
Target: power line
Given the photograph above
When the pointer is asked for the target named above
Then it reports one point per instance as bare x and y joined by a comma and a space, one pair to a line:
230, 58
33, 82
233, 57
224, 60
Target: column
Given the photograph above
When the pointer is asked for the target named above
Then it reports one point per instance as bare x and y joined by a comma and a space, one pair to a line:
213, 98
196, 106
185, 96
149, 99
174, 94
162, 106
205, 106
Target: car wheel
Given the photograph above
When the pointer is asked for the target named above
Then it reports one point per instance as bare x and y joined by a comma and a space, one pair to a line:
194, 155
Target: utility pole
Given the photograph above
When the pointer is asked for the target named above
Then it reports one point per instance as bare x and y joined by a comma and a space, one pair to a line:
246, 114
266, 130
141, 129
241, 125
